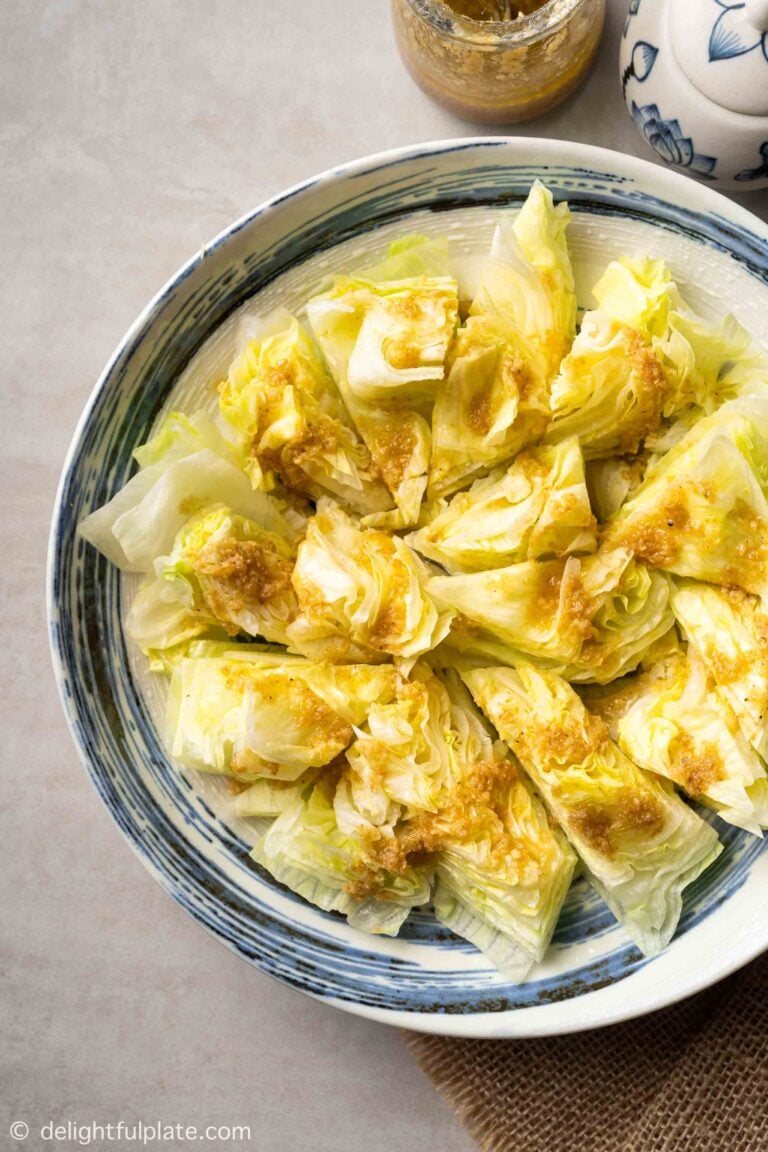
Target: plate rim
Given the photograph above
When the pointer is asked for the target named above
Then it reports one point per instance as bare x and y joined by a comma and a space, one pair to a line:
560, 1018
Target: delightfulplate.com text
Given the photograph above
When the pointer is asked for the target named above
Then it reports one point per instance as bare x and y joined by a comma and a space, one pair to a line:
125, 1132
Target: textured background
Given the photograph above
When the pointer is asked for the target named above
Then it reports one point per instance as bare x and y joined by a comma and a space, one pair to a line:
129, 134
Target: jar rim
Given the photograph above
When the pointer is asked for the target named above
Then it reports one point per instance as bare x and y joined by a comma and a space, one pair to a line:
495, 33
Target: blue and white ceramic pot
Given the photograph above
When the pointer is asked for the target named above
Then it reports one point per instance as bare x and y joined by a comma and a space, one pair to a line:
695, 79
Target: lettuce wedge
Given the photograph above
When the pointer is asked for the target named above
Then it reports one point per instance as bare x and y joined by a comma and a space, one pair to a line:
361, 593
493, 402
728, 630
245, 715
527, 282
639, 843
224, 573
702, 510
306, 850
291, 422
187, 465
538, 507
589, 619
678, 727
386, 345
503, 870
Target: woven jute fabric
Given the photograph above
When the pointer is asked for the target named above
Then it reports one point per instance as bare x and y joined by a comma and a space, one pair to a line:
692, 1078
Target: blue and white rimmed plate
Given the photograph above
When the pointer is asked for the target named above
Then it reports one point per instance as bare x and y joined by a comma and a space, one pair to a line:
181, 824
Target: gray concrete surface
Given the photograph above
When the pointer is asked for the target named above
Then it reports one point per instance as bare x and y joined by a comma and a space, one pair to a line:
130, 133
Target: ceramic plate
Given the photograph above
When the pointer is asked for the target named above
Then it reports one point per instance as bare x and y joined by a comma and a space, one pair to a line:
179, 823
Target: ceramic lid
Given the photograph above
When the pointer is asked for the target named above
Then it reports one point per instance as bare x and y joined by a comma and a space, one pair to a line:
722, 46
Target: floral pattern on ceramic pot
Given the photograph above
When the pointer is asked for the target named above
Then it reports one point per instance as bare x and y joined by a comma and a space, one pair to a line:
634, 8
668, 139
761, 171
641, 64
734, 32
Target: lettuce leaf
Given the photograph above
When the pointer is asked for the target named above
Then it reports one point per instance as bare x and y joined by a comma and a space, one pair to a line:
401, 762
587, 619
224, 573
612, 480
386, 344
250, 716
425, 780
213, 645
291, 423
728, 630
702, 510
361, 591
503, 870
538, 507
678, 727
708, 363
632, 617
638, 294
535, 607
611, 390
639, 843
410, 258
185, 467
493, 402
266, 798
179, 436
399, 332
306, 850
528, 281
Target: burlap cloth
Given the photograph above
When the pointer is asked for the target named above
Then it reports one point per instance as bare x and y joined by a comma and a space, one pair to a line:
692, 1078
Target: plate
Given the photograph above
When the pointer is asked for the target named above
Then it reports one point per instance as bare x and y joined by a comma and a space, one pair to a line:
180, 824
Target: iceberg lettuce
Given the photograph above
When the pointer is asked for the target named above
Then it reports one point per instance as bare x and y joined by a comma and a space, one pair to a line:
267, 798
401, 761
702, 509
587, 619
186, 466
611, 390
306, 850
536, 607
247, 715
638, 294
538, 507
678, 727
398, 331
633, 617
361, 593
503, 875
728, 630
528, 281
612, 480
503, 870
410, 258
386, 345
493, 402
640, 844
708, 363
224, 572
179, 436
291, 423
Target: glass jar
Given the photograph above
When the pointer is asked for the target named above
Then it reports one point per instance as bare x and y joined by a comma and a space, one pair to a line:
498, 71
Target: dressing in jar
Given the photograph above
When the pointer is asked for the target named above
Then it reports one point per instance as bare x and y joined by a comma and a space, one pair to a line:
498, 61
